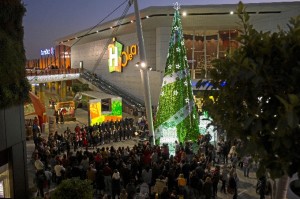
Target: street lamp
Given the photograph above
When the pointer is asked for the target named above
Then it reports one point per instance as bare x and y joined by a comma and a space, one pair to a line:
143, 69
145, 79
143, 65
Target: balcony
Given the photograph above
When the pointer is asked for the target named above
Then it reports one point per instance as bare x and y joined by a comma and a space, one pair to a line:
36, 76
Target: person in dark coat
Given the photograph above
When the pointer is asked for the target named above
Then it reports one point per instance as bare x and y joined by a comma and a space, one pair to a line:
262, 184
165, 194
215, 180
131, 189
40, 181
232, 184
116, 184
207, 188
100, 185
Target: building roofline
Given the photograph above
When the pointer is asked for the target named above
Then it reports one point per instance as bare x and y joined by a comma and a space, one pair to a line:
168, 11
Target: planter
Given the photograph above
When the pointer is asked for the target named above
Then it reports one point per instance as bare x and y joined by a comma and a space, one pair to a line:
293, 191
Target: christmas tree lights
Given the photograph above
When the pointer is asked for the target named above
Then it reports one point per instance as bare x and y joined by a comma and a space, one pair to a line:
177, 117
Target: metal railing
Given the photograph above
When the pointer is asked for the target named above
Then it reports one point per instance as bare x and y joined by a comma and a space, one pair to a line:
39, 72
97, 81
108, 88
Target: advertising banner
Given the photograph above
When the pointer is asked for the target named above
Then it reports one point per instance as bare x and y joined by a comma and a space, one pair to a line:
97, 115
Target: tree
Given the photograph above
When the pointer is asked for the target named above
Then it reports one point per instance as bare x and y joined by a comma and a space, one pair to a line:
14, 87
260, 102
73, 188
176, 112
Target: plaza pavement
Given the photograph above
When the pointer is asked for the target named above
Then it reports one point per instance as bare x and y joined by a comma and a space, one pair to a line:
246, 185
81, 119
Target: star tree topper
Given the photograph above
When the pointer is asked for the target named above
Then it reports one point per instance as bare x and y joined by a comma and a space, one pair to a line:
176, 6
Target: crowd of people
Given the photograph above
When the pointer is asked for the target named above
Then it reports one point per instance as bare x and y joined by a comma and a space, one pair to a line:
141, 171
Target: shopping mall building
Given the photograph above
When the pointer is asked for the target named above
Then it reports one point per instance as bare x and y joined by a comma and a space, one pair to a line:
210, 32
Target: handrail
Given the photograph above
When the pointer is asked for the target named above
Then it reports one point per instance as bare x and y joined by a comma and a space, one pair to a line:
93, 79
39, 72
112, 89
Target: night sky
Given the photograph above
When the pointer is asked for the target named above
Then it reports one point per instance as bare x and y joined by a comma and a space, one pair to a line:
47, 20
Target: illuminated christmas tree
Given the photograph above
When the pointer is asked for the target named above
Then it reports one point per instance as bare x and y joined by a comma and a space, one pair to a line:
177, 117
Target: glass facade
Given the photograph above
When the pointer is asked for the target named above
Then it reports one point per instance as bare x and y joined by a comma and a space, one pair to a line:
206, 45
59, 58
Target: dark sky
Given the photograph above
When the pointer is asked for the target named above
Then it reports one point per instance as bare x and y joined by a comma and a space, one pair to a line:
47, 20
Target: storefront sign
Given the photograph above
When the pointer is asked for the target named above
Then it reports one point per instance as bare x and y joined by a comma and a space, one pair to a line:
47, 51
118, 58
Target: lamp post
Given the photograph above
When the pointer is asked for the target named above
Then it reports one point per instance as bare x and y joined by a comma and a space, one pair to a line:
144, 70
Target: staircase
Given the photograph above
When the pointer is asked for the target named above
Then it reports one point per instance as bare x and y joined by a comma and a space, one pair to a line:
108, 88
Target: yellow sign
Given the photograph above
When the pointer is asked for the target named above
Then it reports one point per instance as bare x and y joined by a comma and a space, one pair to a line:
117, 58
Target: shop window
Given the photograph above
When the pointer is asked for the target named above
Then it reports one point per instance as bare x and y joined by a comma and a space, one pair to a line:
5, 182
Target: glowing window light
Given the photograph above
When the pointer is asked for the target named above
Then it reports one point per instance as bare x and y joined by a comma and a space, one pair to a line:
169, 136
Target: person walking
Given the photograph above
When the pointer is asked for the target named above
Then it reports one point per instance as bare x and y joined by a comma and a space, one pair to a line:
246, 165
224, 178
232, 184
215, 180
261, 187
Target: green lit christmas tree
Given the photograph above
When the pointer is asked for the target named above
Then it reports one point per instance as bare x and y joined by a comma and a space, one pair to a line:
176, 117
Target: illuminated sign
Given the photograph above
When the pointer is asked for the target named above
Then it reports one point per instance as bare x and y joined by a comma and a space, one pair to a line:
47, 51
97, 115
117, 57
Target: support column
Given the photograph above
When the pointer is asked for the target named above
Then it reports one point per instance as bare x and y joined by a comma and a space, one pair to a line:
49, 86
63, 90
205, 56
144, 73
33, 88
42, 92
57, 87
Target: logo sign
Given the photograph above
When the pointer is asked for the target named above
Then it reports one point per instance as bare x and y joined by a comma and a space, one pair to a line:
48, 51
119, 57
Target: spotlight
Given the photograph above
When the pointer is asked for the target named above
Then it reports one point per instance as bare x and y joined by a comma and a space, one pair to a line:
143, 65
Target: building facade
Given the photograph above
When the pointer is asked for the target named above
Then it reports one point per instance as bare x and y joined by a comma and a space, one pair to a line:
13, 157
210, 32
58, 57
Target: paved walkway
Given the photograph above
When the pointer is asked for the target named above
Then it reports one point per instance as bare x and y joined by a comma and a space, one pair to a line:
81, 119
246, 186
